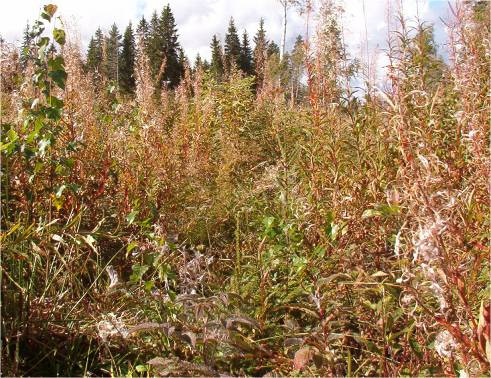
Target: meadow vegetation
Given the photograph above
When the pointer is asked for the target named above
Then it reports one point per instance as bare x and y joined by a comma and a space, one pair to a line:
247, 225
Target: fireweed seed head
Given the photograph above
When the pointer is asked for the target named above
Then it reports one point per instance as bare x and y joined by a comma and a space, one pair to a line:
111, 326
445, 344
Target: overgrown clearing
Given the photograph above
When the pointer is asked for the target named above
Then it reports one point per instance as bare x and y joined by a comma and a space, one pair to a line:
247, 223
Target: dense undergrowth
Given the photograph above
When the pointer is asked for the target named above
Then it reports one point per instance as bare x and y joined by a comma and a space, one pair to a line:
224, 229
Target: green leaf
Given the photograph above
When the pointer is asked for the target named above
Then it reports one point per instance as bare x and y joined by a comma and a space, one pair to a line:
130, 247
6, 146
74, 187
55, 102
368, 213
269, 226
149, 285
69, 163
138, 272
43, 42
59, 77
141, 368
131, 216
381, 211
389, 210
59, 36
53, 113
56, 64
320, 251
46, 16
416, 347
12, 135
329, 217
29, 153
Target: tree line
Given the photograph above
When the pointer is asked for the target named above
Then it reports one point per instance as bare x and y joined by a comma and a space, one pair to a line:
112, 56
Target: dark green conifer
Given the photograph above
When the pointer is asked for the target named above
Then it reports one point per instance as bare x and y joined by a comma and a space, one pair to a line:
198, 63
172, 52
111, 54
127, 61
273, 49
232, 46
154, 45
95, 51
142, 31
245, 61
216, 65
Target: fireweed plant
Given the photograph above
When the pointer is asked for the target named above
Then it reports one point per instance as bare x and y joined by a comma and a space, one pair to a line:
248, 224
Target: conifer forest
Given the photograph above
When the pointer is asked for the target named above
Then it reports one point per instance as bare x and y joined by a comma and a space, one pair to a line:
274, 208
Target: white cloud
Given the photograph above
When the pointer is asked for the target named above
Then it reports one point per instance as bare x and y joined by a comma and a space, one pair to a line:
198, 20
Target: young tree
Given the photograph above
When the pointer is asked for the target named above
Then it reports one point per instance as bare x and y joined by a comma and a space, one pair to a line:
25, 48
331, 54
198, 62
232, 46
260, 53
297, 60
216, 66
127, 61
245, 59
111, 58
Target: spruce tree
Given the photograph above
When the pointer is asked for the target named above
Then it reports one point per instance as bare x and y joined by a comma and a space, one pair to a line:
127, 61
142, 31
273, 49
111, 56
171, 49
216, 65
198, 63
95, 51
183, 62
91, 52
245, 61
260, 53
232, 46
154, 45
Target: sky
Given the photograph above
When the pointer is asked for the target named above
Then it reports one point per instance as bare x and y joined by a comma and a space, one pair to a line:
197, 20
